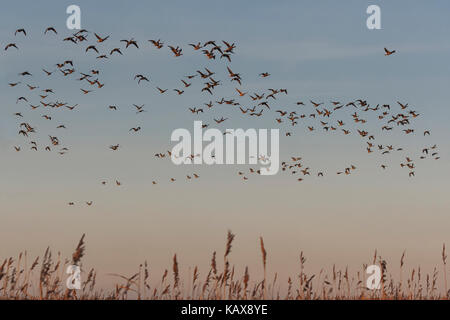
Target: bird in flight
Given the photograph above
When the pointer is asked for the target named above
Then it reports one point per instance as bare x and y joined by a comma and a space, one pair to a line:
11, 45
220, 120
130, 42
176, 51
241, 94
50, 29
141, 78
158, 44
196, 46
20, 31
115, 50
91, 47
135, 129
388, 53
100, 39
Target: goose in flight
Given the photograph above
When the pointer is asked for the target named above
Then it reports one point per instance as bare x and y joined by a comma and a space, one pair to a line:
315, 104
20, 31
186, 85
130, 42
196, 46
176, 51
91, 47
230, 47
220, 120
21, 98
115, 50
50, 29
158, 44
135, 129
139, 108
209, 54
207, 89
141, 78
195, 110
72, 39
11, 45
388, 53
241, 94
403, 106
232, 74
100, 39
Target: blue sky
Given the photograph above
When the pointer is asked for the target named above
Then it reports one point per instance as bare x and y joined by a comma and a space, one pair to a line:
318, 50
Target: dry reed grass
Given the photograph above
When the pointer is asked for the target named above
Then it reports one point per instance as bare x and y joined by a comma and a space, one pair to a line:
16, 281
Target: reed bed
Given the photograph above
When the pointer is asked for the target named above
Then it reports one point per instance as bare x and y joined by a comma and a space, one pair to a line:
45, 278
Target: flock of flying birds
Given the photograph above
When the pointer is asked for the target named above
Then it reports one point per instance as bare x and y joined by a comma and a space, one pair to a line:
315, 115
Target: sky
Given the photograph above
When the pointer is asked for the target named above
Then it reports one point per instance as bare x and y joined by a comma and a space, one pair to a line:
319, 50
